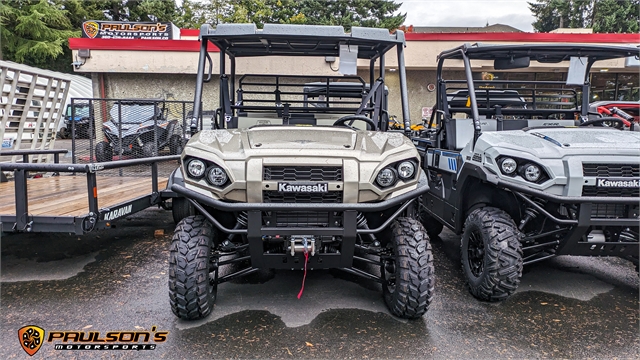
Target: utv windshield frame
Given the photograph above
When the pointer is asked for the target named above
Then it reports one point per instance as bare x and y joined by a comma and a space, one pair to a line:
245, 40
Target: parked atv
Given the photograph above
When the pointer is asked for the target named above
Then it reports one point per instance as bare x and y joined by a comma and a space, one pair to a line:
138, 128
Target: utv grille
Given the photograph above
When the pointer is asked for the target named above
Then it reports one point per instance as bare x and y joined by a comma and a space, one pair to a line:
609, 192
302, 173
299, 219
611, 170
609, 211
278, 197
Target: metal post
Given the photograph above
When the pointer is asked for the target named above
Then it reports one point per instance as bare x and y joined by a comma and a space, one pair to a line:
73, 132
184, 120
22, 203
233, 80
119, 134
404, 95
154, 177
197, 98
472, 98
91, 133
155, 129
92, 187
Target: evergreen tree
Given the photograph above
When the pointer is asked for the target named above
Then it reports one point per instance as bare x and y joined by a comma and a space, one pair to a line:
370, 13
604, 16
34, 32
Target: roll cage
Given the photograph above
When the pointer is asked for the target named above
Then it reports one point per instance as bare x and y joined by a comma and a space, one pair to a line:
245, 40
543, 98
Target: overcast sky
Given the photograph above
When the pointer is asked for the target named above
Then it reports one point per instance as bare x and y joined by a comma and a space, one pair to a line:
468, 13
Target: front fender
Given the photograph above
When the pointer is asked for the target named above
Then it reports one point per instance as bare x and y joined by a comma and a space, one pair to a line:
176, 177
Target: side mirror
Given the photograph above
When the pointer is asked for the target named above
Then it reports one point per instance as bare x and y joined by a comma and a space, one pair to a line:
511, 63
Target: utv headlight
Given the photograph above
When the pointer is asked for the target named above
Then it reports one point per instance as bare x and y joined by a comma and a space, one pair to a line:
196, 168
508, 166
216, 176
531, 172
386, 177
406, 170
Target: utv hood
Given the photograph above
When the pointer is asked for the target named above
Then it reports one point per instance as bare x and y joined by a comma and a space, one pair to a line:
301, 137
300, 140
558, 142
592, 138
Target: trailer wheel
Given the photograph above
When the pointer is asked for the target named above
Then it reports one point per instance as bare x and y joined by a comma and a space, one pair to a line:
104, 152
181, 208
491, 254
191, 291
408, 275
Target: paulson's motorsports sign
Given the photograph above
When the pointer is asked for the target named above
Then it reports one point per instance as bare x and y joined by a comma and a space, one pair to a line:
129, 30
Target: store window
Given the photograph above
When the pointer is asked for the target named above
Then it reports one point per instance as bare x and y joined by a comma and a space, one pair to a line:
603, 86
628, 87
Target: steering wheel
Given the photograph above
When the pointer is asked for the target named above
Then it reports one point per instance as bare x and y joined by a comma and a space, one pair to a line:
605, 121
344, 119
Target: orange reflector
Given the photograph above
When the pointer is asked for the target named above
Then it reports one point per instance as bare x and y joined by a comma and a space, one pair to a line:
95, 192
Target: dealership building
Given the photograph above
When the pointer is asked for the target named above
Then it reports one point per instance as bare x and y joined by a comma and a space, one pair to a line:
166, 67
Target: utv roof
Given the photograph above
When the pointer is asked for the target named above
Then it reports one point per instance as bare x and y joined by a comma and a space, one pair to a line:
540, 52
242, 40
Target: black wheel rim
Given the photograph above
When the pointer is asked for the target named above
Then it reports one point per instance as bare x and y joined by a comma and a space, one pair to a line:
475, 253
388, 270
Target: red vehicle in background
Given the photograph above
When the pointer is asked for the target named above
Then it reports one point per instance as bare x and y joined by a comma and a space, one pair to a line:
627, 111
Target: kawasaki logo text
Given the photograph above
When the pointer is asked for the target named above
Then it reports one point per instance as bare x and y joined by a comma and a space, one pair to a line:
618, 183
303, 188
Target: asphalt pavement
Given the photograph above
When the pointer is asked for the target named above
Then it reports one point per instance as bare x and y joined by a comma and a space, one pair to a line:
116, 280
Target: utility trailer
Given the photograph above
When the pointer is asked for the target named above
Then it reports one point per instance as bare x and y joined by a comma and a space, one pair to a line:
77, 198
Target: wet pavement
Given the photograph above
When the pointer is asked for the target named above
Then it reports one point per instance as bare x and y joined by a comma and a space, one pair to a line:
116, 280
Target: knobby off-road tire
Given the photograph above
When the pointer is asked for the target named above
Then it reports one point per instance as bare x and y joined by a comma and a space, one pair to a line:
104, 152
491, 254
409, 281
191, 294
175, 145
149, 149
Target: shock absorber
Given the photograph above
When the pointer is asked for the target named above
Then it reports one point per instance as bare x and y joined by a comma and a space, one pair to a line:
361, 223
530, 213
241, 223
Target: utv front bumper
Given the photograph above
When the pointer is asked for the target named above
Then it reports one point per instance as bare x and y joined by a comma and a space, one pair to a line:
590, 213
348, 230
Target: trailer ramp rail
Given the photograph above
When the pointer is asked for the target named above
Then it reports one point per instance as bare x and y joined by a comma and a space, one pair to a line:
79, 223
